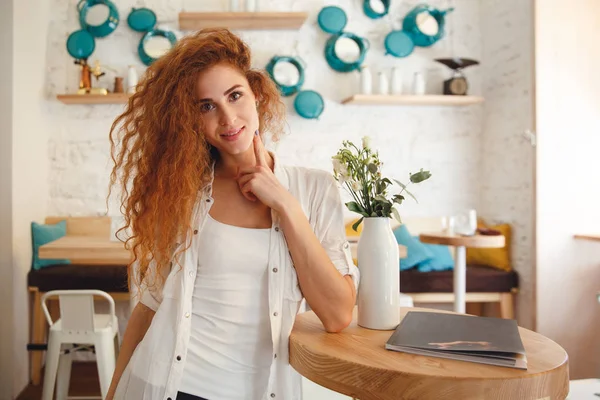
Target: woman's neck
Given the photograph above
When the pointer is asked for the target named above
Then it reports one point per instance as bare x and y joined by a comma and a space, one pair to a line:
227, 165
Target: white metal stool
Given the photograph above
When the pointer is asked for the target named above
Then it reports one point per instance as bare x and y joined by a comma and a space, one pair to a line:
79, 325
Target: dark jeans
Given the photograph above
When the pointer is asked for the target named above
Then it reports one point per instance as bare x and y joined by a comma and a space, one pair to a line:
185, 396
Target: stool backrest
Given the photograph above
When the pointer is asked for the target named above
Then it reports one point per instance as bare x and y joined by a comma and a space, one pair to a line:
76, 308
84, 226
94, 227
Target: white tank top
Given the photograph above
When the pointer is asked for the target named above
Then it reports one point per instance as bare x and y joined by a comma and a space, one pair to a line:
230, 349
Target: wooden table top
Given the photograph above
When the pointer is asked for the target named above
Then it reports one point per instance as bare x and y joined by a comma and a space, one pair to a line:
86, 249
477, 240
355, 362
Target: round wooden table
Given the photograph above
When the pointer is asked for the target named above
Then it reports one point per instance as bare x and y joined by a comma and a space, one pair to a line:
354, 362
460, 259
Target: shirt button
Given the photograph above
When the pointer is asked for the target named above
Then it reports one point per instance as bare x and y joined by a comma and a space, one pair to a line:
272, 394
191, 273
346, 245
187, 314
275, 314
178, 358
274, 269
276, 229
208, 200
195, 231
275, 355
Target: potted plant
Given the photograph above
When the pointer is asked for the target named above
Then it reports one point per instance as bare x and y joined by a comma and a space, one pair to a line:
358, 170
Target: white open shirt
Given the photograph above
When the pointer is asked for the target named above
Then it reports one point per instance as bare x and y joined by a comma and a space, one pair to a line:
155, 369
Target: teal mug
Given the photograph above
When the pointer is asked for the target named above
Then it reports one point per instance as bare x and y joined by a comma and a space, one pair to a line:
102, 28
149, 57
335, 62
287, 90
376, 12
425, 24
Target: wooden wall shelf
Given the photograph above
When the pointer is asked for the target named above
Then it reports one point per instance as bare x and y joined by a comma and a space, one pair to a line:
192, 21
111, 98
423, 100
588, 236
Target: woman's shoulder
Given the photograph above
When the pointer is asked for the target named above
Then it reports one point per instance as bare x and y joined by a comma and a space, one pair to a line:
309, 177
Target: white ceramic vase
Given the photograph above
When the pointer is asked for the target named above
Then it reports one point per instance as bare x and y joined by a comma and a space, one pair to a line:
379, 291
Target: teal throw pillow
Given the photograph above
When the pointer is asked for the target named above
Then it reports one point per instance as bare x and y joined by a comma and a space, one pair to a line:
416, 252
441, 261
42, 234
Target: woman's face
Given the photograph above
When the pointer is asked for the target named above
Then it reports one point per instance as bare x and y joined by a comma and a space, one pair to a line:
228, 109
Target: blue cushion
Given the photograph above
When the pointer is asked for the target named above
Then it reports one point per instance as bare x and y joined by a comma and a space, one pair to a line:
441, 261
42, 234
416, 251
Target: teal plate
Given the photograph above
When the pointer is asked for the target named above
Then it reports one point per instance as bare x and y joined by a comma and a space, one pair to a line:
398, 44
81, 44
309, 104
332, 19
141, 19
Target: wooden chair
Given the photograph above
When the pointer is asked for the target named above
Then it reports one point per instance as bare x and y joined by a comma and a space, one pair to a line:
484, 284
80, 274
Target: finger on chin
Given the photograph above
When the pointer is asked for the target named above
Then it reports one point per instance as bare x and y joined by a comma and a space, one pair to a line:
258, 150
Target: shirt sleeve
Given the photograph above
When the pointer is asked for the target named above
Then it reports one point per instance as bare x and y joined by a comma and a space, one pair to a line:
150, 288
330, 228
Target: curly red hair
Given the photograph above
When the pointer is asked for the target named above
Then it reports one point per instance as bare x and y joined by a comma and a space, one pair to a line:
161, 158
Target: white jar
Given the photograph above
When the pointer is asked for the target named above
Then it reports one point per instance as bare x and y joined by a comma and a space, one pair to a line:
132, 79
366, 80
418, 84
251, 5
396, 84
383, 86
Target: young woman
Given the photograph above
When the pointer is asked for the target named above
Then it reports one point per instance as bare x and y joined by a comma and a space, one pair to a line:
227, 241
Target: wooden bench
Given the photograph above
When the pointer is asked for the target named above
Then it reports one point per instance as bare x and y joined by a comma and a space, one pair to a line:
84, 273
484, 284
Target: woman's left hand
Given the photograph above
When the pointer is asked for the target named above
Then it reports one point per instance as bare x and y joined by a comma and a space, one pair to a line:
259, 182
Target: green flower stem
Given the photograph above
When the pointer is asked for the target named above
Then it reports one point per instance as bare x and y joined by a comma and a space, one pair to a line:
354, 196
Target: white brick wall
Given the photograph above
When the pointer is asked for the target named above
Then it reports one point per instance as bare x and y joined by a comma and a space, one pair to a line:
507, 162
444, 140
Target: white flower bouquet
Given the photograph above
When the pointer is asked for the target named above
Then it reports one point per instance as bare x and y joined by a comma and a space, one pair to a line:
358, 170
